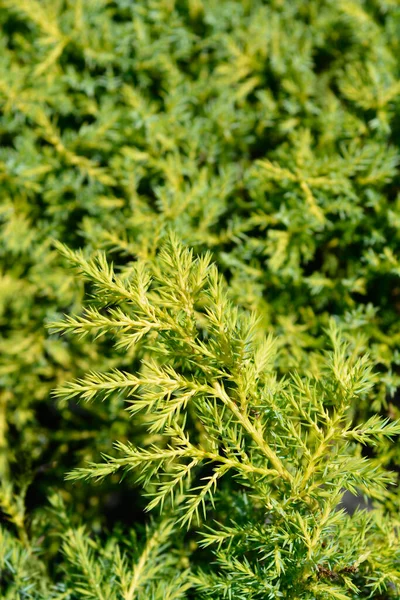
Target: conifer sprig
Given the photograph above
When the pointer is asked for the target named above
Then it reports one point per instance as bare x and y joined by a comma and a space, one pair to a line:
208, 386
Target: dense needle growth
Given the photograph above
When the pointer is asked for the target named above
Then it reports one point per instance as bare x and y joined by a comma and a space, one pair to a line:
188, 423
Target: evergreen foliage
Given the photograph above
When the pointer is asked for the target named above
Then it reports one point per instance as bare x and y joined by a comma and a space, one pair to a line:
247, 362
